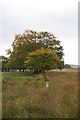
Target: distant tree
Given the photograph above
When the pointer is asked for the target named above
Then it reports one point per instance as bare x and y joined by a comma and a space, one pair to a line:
4, 63
60, 65
67, 66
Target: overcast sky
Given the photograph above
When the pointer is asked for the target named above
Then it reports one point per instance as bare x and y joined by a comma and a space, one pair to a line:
59, 17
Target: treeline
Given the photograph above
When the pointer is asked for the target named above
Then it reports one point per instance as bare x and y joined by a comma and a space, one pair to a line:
36, 51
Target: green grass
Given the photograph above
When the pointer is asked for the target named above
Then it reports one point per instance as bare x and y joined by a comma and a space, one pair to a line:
16, 74
25, 95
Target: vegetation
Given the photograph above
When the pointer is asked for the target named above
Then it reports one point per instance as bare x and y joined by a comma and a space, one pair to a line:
4, 63
67, 66
30, 41
41, 60
25, 95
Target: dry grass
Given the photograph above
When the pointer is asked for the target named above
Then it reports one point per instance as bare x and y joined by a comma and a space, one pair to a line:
27, 96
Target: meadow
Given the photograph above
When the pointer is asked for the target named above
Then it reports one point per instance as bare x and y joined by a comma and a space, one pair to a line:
25, 95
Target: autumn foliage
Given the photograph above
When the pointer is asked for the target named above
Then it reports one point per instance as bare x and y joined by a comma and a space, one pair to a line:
35, 51
41, 60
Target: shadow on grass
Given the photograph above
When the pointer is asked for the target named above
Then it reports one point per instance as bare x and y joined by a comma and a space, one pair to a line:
16, 74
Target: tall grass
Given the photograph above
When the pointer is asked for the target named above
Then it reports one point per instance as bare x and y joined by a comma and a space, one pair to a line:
25, 95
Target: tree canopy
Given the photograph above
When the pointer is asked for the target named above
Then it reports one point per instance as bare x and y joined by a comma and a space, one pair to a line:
31, 41
41, 60
5, 61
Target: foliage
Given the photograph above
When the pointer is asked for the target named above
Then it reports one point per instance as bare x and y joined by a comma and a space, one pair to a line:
31, 41
40, 60
67, 66
5, 61
60, 65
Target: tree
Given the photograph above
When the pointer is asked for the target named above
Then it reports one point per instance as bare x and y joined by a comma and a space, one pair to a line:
67, 66
60, 65
41, 60
4, 63
31, 41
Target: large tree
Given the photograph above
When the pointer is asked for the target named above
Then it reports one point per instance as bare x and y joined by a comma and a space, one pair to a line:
31, 41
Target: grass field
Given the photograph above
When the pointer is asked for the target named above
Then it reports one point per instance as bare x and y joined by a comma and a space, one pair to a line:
25, 95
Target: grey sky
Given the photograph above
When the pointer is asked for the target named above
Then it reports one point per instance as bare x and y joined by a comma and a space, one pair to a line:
59, 17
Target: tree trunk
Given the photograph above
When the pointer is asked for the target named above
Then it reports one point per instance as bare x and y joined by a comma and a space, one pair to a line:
2, 70
40, 71
46, 80
8, 69
5, 70
44, 71
20, 70
23, 70
44, 75
34, 71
